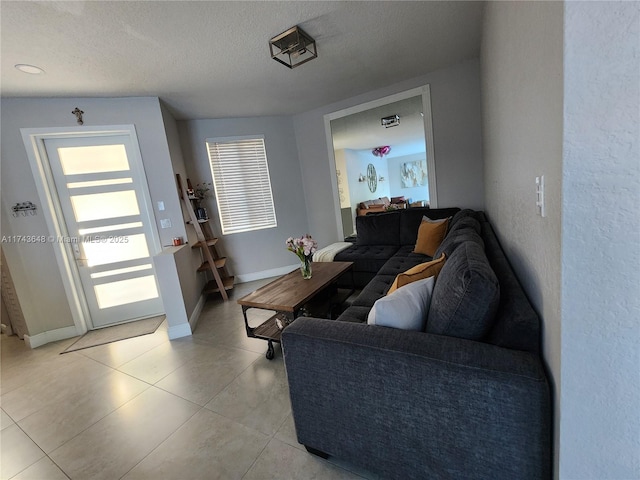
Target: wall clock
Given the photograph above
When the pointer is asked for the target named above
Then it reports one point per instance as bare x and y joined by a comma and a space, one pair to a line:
372, 178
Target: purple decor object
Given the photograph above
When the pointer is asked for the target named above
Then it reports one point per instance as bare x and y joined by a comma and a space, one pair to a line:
381, 151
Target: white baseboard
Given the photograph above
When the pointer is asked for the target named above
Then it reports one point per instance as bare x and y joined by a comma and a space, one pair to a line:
274, 272
35, 341
179, 331
195, 316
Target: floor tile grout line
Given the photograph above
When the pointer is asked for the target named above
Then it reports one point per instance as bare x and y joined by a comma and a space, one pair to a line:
163, 441
129, 360
257, 458
115, 410
65, 397
44, 454
94, 423
59, 467
193, 359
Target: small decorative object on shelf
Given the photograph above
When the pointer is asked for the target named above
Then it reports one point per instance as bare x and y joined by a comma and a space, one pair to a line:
201, 213
304, 247
202, 190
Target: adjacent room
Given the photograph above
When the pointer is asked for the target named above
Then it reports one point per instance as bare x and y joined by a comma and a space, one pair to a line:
320, 239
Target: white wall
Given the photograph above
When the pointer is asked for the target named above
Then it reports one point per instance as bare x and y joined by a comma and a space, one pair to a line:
260, 253
455, 101
343, 180
357, 163
521, 61
191, 282
600, 397
36, 275
395, 178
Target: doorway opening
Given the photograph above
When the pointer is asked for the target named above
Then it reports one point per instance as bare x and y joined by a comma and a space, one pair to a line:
382, 151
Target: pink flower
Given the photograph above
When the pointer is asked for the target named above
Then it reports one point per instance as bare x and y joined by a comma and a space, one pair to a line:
304, 247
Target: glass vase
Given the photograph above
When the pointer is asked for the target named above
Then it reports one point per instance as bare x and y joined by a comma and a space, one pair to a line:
305, 268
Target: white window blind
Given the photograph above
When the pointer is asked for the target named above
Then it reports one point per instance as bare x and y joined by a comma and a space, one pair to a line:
242, 184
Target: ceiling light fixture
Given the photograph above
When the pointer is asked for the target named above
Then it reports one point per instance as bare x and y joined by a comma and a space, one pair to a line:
30, 69
293, 47
390, 121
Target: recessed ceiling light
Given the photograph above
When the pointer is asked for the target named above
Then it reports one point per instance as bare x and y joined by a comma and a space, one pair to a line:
31, 69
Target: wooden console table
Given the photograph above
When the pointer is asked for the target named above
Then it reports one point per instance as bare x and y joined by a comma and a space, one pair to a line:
289, 296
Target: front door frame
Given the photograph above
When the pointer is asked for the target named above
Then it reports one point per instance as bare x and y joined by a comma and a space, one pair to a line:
34, 139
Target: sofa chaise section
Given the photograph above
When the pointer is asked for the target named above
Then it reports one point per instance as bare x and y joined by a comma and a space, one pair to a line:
413, 404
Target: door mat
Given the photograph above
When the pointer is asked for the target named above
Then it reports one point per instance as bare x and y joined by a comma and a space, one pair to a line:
106, 335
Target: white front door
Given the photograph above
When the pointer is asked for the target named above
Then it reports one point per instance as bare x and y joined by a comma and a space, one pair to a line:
100, 181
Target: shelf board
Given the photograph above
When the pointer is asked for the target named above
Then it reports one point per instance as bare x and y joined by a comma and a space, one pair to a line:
212, 286
189, 222
210, 242
219, 263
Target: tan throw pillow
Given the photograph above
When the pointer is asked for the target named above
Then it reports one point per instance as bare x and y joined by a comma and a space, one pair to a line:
419, 272
430, 236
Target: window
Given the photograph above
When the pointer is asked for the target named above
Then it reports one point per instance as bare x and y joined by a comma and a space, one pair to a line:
242, 184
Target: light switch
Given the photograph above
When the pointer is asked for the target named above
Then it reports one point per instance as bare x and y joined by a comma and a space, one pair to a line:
160, 206
540, 195
165, 223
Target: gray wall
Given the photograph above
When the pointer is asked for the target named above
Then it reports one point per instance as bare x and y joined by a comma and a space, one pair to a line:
36, 275
259, 253
600, 424
522, 120
561, 97
395, 178
357, 163
455, 100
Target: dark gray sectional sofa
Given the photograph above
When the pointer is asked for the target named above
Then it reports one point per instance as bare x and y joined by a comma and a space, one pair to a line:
384, 236
467, 398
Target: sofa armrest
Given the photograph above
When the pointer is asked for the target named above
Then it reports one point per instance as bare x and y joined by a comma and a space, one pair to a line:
416, 405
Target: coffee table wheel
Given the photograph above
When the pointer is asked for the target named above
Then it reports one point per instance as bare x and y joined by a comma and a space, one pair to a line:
270, 351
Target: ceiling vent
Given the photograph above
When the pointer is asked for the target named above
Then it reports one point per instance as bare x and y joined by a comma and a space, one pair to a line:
293, 47
392, 121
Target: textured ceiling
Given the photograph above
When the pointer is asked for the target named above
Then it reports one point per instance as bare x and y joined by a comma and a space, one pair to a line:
364, 131
210, 59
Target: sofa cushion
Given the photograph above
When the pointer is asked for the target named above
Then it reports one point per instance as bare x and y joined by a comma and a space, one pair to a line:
466, 295
354, 314
430, 235
466, 214
375, 201
406, 308
419, 272
375, 289
382, 229
411, 218
368, 258
457, 236
403, 260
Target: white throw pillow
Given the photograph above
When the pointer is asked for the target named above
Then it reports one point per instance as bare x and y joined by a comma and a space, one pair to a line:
406, 308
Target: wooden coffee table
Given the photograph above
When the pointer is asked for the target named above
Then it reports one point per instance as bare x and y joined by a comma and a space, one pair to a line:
288, 296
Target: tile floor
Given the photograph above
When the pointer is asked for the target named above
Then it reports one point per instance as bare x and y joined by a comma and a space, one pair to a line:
209, 406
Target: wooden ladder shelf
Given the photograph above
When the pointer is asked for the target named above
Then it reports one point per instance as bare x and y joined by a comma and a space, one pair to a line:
212, 262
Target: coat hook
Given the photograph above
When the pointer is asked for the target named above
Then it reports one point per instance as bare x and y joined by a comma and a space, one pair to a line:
23, 208
78, 113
